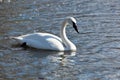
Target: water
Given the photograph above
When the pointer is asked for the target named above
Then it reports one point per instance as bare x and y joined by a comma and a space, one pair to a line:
98, 44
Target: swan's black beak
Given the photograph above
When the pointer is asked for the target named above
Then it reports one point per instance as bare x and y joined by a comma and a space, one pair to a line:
75, 27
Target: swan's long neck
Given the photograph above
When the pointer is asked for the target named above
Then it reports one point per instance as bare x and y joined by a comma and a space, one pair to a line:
68, 44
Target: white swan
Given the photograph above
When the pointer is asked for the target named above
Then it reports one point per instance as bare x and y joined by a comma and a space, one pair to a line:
49, 41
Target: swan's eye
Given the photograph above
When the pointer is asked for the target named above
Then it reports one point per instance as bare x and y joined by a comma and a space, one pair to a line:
75, 27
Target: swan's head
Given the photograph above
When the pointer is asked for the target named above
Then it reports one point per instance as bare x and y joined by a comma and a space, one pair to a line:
72, 21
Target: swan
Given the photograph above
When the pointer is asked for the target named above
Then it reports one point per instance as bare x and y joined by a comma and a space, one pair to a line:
49, 41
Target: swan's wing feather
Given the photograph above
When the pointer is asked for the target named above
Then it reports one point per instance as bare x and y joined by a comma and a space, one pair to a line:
39, 36
42, 40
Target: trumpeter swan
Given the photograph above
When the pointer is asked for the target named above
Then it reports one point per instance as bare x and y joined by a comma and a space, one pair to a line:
49, 41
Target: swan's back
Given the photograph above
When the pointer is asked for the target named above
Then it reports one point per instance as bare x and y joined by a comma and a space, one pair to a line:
42, 41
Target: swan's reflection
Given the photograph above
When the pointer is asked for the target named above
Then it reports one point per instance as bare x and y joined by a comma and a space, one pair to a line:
65, 57
52, 56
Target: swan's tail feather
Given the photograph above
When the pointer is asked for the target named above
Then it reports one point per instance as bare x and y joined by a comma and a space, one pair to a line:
17, 39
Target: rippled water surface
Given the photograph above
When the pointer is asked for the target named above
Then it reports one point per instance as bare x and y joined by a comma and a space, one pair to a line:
98, 44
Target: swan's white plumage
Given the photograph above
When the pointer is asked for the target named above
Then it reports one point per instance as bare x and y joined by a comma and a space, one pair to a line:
42, 41
49, 41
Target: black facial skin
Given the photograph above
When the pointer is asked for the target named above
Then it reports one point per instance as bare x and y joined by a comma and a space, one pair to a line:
75, 27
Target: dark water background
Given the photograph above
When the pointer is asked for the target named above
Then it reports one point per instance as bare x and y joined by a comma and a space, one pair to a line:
98, 44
